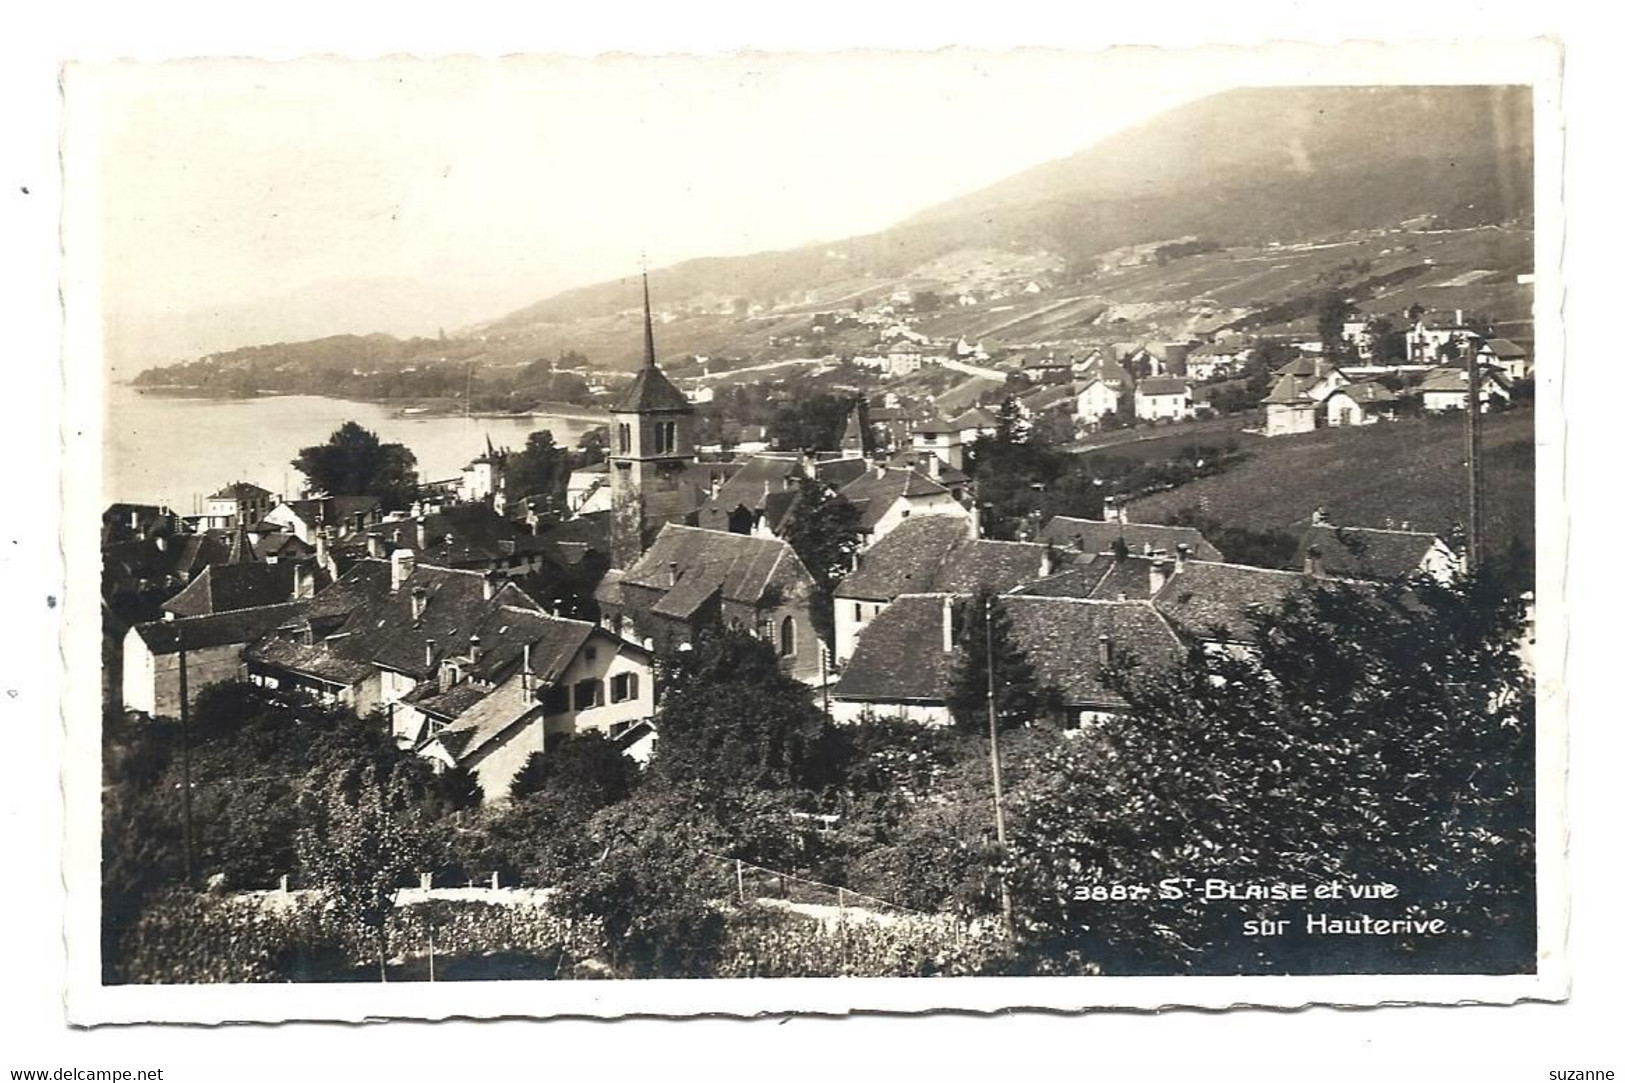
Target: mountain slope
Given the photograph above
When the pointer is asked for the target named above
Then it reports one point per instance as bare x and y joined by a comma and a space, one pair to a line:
1254, 164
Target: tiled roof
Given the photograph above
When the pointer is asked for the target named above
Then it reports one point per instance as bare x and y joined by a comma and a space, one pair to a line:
274, 544
241, 490
1298, 366
1218, 601
936, 553
1451, 378
1097, 536
652, 391
1506, 349
1291, 389
1163, 385
292, 653
750, 485
975, 418
1367, 552
460, 535
875, 491
936, 425
1366, 393
900, 656
707, 562
1078, 581
217, 629
222, 587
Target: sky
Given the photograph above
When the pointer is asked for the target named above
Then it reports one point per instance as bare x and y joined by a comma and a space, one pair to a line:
248, 201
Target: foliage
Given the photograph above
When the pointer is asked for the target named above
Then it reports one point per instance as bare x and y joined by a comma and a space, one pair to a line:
1012, 424
762, 943
811, 423
984, 631
1331, 312
542, 467
354, 462
1241, 545
732, 719
1414, 701
824, 533
586, 768
359, 848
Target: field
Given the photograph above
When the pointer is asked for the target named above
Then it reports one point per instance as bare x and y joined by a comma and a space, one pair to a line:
1406, 471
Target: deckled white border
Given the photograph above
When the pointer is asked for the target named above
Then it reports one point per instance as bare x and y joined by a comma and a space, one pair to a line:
1534, 63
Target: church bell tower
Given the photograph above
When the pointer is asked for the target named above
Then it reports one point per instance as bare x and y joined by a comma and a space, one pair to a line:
651, 450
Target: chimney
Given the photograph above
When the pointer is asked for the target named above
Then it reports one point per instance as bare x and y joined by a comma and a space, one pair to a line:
161, 542
375, 546
474, 649
716, 485
321, 547
809, 464
1105, 650
304, 582
420, 531
524, 672
490, 585
1046, 563
1311, 561
402, 563
880, 471
1109, 510
1458, 317
975, 519
1318, 517
1182, 553
420, 602
1159, 576
671, 574
947, 623
506, 547
428, 653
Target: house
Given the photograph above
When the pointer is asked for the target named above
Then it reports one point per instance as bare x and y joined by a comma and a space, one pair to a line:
220, 588
903, 666
474, 537
1210, 361
280, 546
1507, 356
1162, 398
885, 496
1095, 400
1216, 605
208, 649
382, 629
344, 516
902, 358
974, 424
134, 522
1115, 533
527, 680
1360, 404
587, 489
1425, 344
691, 579
1289, 408
940, 438
932, 553
1048, 369
1327, 378
484, 478
759, 495
1445, 388
1375, 553
239, 503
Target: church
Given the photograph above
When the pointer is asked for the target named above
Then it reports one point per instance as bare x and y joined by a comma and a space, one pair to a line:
668, 578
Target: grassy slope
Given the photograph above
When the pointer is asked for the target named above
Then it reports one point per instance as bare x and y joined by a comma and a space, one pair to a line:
1409, 470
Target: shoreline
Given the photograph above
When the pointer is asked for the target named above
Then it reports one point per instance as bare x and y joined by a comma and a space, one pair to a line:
408, 409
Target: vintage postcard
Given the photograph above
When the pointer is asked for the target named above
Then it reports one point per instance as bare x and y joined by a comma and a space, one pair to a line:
590, 536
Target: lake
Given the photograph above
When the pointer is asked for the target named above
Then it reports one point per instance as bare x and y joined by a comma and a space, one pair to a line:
176, 451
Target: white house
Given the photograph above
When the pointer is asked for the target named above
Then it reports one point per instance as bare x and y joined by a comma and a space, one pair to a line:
1162, 398
1096, 400
1359, 404
1446, 389
1508, 356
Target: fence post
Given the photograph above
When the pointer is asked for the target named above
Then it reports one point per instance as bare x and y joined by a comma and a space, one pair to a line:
840, 901
431, 951
496, 879
282, 885
739, 878
425, 881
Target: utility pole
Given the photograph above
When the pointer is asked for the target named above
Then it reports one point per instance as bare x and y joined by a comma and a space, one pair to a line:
186, 760
998, 778
1475, 480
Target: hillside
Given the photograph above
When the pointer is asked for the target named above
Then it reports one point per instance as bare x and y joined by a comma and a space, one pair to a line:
1408, 471
1234, 210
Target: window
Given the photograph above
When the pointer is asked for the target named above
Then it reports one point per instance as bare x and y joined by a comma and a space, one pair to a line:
622, 687
591, 654
589, 694
787, 637
857, 612
624, 438
665, 437
555, 700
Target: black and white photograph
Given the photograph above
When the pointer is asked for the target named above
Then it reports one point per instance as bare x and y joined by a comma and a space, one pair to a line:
986, 529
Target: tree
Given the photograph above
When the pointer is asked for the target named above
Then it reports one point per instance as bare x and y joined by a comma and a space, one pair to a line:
732, 719
359, 849
1330, 315
586, 769
542, 467
1014, 422
1377, 737
1015, 683
824, 532
354, 463
458, 789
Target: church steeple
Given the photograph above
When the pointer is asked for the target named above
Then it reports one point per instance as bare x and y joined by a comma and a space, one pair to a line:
651, 449
648, 326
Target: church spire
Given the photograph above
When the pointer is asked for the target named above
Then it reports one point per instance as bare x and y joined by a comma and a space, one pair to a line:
648, 327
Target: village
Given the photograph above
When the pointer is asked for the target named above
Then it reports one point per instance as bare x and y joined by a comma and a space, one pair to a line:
447, 618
